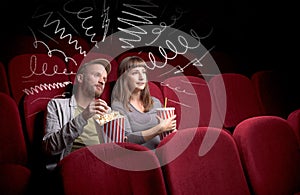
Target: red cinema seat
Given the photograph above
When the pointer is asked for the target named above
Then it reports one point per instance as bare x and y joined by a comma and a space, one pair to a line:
201, 160
4, 87
277, 91
294, 120
34, 114
12, 137
32, 73
111, 169
191, 98
239, 100
155, 91
270, 155
15, 175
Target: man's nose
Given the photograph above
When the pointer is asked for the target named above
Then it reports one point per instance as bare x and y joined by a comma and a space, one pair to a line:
101, 80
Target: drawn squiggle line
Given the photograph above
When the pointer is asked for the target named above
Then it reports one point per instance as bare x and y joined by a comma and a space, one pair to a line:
180, 103
192, 83
48, 49
45, 86
33, 66
48, 98
139, 31
106, 21
67, 58
60, 29
176, 89
79, 16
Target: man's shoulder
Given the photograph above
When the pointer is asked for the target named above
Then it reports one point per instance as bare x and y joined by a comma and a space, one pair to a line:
59, 101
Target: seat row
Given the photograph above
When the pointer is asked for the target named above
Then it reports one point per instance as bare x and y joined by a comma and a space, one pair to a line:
268, 135
260, 157
222, 101
29, 73
32, 73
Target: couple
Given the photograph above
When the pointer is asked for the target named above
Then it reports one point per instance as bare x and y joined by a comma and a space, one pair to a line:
70, 124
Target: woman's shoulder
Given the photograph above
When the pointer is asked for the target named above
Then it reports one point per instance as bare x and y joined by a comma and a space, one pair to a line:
116, 105
156, 102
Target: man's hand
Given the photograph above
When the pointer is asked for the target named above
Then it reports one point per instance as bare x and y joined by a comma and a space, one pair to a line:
97, 106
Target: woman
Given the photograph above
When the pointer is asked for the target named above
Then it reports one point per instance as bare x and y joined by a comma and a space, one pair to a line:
131, 97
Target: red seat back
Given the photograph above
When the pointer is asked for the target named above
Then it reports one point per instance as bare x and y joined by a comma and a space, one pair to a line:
238, 102
294, 120
195, 164
12, 141
33, 73
112, 169
4, 87
191, 98
277, 91
270, 155
155, 91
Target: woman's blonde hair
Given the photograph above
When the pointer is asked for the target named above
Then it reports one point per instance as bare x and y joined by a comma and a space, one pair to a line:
121, 91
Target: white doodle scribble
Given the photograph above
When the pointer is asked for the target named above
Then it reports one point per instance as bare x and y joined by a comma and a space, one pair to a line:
177, 89
194, 62
179, 103
33, 69
106, 20
45, 86
61, 30
143, 17
49, 51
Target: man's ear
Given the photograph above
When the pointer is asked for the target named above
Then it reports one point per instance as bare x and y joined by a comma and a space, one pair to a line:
79, 78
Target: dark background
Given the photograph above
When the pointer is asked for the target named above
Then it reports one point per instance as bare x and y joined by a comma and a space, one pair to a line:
258, 34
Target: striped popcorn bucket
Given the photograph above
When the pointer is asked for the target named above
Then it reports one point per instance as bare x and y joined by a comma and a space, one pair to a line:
114, 131
165, 113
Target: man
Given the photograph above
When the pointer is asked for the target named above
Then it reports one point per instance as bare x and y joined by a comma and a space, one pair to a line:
70, 124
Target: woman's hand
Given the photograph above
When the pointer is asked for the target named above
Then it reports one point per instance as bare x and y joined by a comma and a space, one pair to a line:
167, 124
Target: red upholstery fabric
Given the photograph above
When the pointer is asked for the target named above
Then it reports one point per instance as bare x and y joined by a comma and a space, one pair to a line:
239, 100
156, 91
219, 171
34, 115
34, 108
91, 170
14, 179
12, 142
270, 154
3, 80
15, 176
22, 44
269, 88
32, 73
191, 98
186, 63
277, 91
294, 120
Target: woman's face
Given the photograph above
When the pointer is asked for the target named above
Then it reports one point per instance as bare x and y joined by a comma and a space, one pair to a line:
137, 78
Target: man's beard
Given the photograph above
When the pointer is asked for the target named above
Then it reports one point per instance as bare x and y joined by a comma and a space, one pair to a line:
91, 92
